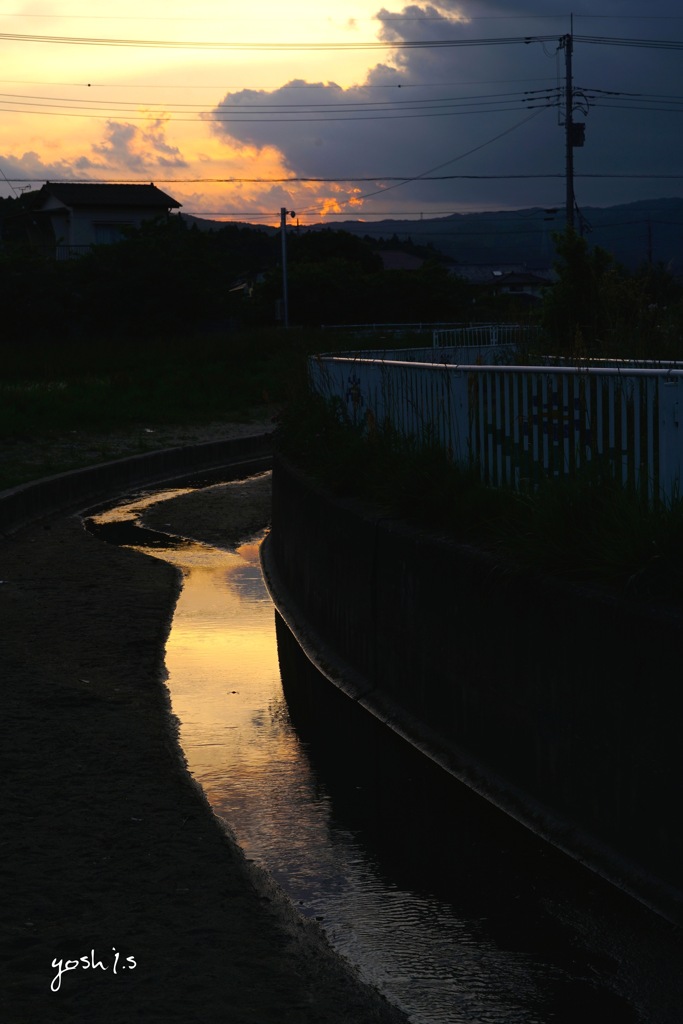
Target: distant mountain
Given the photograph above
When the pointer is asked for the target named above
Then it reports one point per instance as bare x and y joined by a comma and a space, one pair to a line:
633, 232
203, 224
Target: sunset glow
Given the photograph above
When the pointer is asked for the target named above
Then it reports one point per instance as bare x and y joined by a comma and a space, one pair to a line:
223, 105
138, 113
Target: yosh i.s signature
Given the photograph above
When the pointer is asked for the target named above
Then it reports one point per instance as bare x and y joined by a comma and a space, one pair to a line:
116, 964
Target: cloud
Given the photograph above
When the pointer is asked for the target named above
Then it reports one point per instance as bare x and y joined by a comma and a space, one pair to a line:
30, 167
166, 155
136, 149
487, 112
124, 148
118, 149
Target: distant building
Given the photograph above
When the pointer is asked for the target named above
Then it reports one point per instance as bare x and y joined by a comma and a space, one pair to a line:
522, 282
72, 217
506, 279
395, 259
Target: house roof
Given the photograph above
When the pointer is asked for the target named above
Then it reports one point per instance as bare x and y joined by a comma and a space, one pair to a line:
524, 278
501, 273
80, 194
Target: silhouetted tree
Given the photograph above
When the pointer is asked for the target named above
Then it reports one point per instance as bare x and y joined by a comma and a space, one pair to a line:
598, 307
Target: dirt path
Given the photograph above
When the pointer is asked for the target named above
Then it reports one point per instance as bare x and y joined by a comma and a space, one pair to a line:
111, 858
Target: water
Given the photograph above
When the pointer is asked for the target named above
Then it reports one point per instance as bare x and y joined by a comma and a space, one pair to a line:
458, 915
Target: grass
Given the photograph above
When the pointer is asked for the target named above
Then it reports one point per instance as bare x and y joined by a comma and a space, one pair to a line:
67, 404
62, 401
108, 382
584, 529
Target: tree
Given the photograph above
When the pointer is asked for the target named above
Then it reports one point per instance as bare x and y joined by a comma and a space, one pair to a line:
597, 307
574, 308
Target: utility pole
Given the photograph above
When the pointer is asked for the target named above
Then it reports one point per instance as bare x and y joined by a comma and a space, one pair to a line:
568, 43
283, 233
575, 131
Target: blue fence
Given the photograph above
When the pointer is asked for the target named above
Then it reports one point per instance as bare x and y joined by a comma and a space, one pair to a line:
519, 424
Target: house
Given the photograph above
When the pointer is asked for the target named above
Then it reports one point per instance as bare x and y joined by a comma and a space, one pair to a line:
507, 279
395, 259
73, 216
522, 283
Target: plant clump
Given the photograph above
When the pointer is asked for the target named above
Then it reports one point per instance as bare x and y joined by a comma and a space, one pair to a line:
587, 528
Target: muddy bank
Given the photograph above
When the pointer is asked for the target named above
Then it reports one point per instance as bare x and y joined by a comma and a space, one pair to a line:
111, 857
221, 515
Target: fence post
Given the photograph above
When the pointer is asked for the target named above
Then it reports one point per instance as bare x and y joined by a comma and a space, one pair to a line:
670, 437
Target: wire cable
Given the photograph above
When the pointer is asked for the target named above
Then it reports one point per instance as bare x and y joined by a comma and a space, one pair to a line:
377, 44
182, 44
461, 156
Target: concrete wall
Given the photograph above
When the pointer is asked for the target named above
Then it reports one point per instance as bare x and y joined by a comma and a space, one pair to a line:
562, 704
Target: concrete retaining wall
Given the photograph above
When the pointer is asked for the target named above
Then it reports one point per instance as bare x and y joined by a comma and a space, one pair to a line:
562, 704
83, 487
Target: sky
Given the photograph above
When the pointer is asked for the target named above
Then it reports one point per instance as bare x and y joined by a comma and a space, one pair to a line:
347, 109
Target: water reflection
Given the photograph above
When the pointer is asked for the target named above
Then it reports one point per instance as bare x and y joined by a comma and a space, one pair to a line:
402, 869
236, 732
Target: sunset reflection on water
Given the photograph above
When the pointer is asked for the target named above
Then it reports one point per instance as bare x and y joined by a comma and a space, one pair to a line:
224, 680
222, 665
409, 930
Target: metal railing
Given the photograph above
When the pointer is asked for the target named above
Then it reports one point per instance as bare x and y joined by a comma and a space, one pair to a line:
465, 354
486, 334
397, 330
520, 424
69, 252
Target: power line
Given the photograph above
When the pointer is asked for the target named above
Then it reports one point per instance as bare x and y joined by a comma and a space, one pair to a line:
161, 115
335, 106
305, 111
331, 110
631, 17
378, 44
288, 86
303, 119
651, 44
461, 156
393, 17
328, 104
338, 180
181, 44
454, 231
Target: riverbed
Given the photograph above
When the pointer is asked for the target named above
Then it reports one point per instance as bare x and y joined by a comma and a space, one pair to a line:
456, 914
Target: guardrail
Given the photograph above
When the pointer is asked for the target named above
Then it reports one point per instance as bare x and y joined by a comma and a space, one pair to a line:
520, 424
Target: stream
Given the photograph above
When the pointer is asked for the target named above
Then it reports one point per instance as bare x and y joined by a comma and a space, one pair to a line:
456, 913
